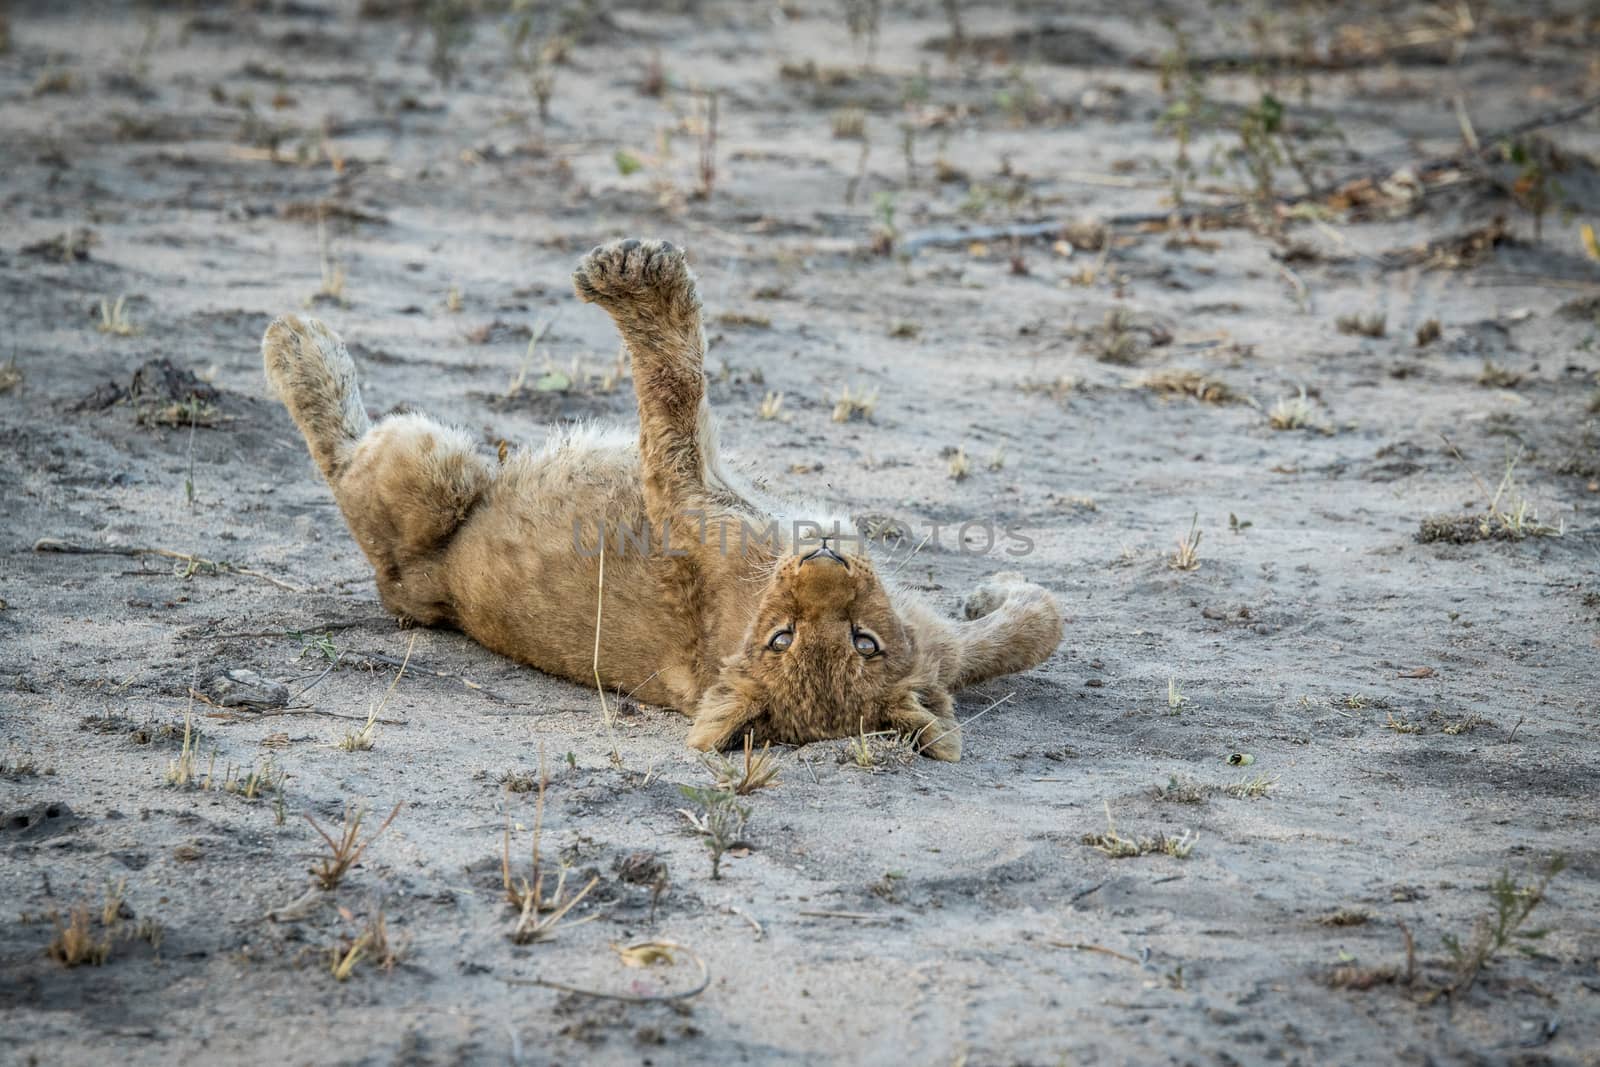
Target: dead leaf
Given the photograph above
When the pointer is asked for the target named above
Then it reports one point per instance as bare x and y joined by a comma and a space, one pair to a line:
1416, 672
645, 953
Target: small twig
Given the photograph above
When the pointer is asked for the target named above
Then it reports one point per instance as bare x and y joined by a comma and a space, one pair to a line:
1084, 946
320, 677
252, 716
747, 917
51, 544
1520, 720
973, 719
858, 916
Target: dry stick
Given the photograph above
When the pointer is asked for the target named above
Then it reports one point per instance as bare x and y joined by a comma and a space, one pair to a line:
605, 707
859, 916
51, 544
476, 687
747, 917
252, 716
628, 998
1052, 227
1084, 946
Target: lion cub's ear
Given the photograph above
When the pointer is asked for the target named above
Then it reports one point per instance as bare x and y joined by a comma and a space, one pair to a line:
725, 712
928, 714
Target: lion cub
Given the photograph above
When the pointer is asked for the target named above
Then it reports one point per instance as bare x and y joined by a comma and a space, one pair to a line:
713, 603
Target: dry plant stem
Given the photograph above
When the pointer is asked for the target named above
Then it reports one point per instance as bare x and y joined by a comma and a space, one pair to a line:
973, 719
529, 899
605, 707
346, 851
387, 693
51, 544
627, 998
1084, 946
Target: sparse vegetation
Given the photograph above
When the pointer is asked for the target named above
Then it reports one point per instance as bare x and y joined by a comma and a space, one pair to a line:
1189, 383
1511, 905
771, 406
1116, 846
849, 123
539, 914
1187, 555
1252, 788
1374, 325
1293, 413
759, 770
345, 850
719, 822
1509, 516
10, 375
958, 464
114, 318
75, 944
860, 405
372, 942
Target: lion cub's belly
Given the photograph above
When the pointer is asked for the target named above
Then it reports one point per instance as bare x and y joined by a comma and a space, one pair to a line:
524, 575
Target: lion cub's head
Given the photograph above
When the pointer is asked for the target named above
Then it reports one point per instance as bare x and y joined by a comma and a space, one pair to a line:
825, 657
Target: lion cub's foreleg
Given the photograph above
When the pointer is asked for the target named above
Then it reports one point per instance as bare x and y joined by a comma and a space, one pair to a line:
647, 289
1013, 625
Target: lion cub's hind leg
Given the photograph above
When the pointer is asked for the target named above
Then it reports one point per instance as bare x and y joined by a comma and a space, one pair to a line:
410, 485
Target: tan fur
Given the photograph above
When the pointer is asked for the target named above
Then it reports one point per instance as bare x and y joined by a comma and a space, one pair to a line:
495, 551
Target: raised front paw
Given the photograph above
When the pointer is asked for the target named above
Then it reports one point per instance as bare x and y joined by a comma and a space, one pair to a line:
636, 275
994, 591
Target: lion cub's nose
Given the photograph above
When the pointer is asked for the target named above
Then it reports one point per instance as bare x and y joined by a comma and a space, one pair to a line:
824, 554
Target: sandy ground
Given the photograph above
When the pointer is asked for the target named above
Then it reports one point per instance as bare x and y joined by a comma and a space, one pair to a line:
1421, 716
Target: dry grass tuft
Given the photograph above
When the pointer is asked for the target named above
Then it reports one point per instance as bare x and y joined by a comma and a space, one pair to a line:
539, 915
1346, 917
1494, 376
1293, 413
852, 406
771, 406
1252, 788
10, 375
1187, 555
1116, 846
1509, 516
759, 770
75, 943
959, 465
1190, 383
371, 943
876, 751
1375, 325
849, 124
114, 318
345, 851
1428, 333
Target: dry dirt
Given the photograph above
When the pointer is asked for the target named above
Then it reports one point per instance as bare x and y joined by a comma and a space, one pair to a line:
1425, 712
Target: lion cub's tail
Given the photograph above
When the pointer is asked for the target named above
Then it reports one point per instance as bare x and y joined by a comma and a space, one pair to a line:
314, 377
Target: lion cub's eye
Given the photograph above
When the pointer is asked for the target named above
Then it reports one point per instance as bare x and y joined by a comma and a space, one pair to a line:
866, 644
781, 640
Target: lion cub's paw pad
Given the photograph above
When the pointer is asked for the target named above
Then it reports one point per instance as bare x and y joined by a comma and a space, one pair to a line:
631, 269
992, 593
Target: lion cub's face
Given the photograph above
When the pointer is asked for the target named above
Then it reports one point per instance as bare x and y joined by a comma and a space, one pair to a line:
826, 657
